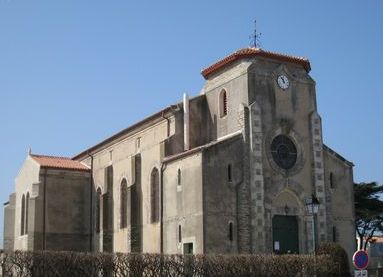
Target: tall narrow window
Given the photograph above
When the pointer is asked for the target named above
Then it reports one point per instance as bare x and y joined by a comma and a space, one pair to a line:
179, 177
135, 219
138, 143
26, 213
231, 234
124, 204
155, 196
223, 103
105, 212
108, 206
331, 180
109, 179
179, 233
333, 234
98, 208
135, 208
229, 173
22, 218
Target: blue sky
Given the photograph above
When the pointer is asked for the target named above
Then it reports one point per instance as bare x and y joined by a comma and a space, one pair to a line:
74, 72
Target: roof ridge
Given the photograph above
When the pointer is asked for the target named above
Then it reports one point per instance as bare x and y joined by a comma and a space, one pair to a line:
51, 156
282, 54
249, 52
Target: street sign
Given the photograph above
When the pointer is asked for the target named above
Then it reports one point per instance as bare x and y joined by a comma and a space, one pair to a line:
360, 259
361, 273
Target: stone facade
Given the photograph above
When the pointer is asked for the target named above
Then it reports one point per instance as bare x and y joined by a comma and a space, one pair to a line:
39, 216
254, 156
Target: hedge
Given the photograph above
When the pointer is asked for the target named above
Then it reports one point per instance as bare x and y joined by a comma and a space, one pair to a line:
48, 264
338, 255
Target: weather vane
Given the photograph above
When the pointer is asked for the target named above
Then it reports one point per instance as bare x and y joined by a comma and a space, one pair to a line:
255, 37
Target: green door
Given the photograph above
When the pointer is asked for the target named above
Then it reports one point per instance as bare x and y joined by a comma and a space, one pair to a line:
285, 234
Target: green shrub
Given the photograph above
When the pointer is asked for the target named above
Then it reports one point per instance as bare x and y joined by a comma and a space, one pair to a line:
338, 255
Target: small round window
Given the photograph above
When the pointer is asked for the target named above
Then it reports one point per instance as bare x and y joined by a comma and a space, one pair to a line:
284, 152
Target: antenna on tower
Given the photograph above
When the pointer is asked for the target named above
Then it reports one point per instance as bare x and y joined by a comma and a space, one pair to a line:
255, 37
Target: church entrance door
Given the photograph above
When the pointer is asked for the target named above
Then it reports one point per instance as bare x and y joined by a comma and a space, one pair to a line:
285, 234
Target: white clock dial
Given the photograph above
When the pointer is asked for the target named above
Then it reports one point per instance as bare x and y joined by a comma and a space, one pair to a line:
283, 82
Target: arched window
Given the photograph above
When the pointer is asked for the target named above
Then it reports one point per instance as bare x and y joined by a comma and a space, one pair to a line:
22, 218
155, 195
179, 234
98, 210
179, 177
223, 103
124, 204
229, 173
26, 213
231, 231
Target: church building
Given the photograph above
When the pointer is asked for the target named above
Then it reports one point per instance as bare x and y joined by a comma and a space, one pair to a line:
240, 168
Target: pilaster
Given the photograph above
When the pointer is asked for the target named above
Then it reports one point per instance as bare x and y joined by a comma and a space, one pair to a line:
256, 180
242, 190
318, 176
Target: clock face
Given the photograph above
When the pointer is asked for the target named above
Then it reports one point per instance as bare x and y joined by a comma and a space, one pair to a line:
283, 82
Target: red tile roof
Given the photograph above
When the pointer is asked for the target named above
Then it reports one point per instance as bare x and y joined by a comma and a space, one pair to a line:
252, 52
59, 163
377, 239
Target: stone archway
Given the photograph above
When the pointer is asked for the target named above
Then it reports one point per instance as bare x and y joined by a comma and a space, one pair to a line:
286, 223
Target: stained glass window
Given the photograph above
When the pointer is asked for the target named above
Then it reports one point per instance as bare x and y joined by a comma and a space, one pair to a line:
284, 152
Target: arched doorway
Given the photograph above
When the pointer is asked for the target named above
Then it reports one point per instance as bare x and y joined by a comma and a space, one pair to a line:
286, 223
285, 234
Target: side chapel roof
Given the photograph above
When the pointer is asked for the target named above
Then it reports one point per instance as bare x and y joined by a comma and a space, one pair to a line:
58, 162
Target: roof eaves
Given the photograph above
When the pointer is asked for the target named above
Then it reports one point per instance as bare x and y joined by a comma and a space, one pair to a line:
171, 108
251, 53
201, 148
122, 133
183, 154
65, 168
331, 151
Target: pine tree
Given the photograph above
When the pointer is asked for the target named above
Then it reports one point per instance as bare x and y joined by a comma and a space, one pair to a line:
368, 211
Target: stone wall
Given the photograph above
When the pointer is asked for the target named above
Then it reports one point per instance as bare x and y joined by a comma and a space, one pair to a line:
234, 82
26, 182
340, 198
67, 200
148, 141
9, 224
225, 198
183, 206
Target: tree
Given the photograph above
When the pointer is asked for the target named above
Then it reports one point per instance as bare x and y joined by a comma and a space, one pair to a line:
368, 211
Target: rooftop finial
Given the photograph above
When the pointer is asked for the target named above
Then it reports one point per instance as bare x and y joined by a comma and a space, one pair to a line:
29, 150
254, 38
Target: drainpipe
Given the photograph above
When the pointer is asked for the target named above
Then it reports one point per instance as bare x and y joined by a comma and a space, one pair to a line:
186, 122
163, 167
91, 204
168, 124
44, 207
